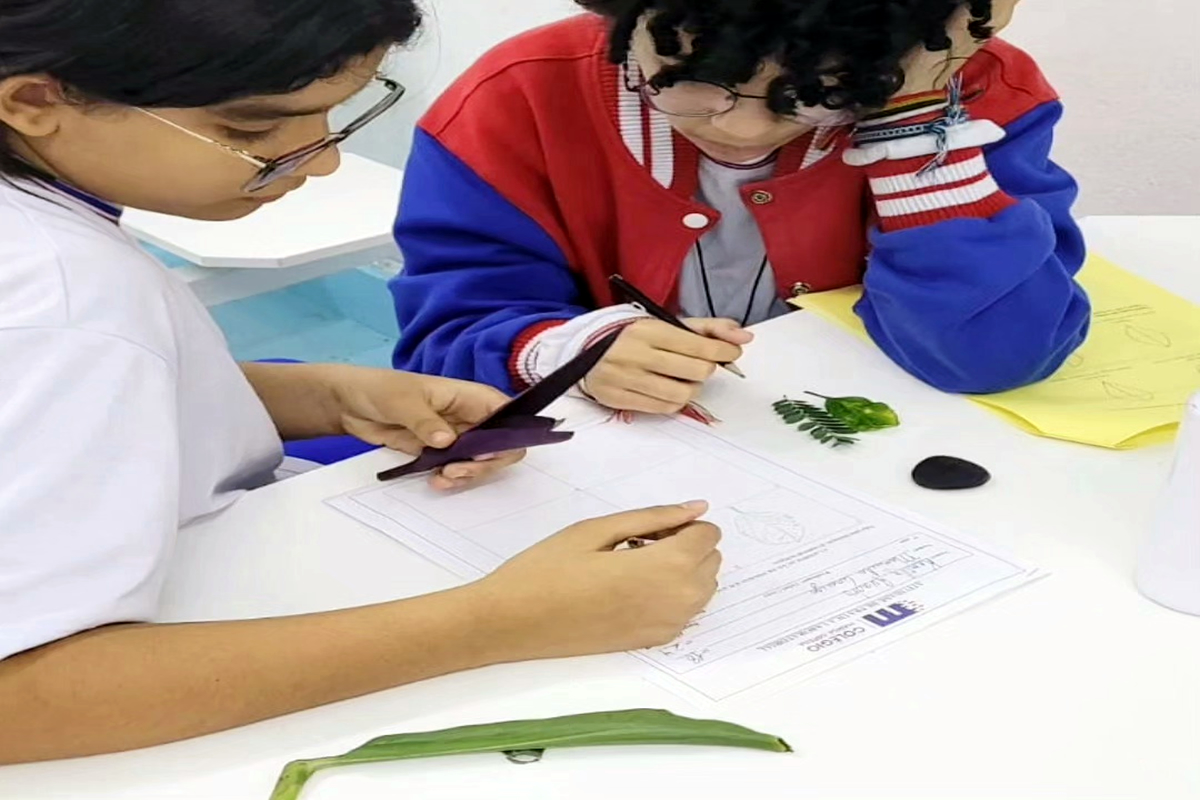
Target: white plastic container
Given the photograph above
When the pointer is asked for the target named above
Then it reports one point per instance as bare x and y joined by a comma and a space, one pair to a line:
1169, 566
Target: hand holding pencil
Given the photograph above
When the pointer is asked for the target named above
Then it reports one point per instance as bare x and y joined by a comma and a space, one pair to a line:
659, 366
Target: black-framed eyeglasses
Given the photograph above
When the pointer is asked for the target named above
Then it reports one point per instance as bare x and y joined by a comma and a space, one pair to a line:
274, 169
702, 99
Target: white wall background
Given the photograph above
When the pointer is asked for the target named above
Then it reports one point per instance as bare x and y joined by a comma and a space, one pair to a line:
1128, 70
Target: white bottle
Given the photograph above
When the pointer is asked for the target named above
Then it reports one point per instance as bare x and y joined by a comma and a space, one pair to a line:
1169, 567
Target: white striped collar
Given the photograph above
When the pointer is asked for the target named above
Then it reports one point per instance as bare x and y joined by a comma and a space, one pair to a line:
636, 120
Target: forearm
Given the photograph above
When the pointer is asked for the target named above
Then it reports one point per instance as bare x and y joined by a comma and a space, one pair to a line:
299, 398
971, 282
133, 686
995, 306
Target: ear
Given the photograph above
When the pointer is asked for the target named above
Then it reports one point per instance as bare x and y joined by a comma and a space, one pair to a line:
31, 105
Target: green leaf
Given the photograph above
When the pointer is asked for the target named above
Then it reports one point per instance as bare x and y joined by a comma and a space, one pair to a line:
817, 422
861, 414
638, 727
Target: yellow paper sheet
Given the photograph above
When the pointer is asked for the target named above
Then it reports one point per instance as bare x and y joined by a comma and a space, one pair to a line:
1125, 388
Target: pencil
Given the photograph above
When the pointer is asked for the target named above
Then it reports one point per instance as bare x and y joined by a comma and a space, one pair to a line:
639, 299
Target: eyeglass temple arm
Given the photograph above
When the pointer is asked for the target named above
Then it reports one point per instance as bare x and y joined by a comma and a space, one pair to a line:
242, 154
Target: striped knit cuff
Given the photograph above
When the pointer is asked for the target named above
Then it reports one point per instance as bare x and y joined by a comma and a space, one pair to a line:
520, 361
911, 110
963, 187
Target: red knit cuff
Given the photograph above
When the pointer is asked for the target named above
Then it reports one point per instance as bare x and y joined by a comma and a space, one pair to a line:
963, 187
518, 368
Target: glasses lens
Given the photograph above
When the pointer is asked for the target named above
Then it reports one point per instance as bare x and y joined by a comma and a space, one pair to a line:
290, 163
283, 168
690, 99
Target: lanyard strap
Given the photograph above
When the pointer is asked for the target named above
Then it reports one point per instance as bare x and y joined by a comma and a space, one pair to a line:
104, 208
712, 306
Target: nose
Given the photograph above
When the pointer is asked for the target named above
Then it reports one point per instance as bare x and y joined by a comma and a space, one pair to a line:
750, 120
324, 164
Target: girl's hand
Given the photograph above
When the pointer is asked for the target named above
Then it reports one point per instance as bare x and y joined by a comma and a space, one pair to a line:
577, 594
408, 412
657, 368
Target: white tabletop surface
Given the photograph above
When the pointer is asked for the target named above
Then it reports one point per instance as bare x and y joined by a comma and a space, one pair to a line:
350, 211
1074, 687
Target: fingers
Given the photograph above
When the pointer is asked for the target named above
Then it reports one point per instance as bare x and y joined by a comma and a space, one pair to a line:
606, 533
617, 397
659, 369
620, 399
724, 329
661, 336
676, 394
466, 403
419, 419
629, 388
698, 540
462, 475
673, 365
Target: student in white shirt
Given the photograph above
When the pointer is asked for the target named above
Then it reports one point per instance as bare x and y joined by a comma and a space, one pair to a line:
123, 416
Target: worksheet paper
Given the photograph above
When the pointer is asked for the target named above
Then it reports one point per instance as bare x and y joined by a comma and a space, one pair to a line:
813, 576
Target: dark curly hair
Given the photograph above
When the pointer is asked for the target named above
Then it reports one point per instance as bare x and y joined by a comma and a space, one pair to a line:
840, 54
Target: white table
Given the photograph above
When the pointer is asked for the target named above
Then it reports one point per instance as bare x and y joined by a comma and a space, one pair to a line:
330, 224
1075, 687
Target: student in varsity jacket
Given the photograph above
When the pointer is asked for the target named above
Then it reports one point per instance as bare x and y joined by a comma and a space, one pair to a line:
726, 156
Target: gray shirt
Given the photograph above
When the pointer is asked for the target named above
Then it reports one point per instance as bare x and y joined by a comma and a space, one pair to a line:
733, 251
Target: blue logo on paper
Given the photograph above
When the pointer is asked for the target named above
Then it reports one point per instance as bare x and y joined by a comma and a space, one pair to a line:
897, 612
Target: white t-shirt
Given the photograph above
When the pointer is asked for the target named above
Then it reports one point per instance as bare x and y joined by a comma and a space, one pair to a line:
122, 417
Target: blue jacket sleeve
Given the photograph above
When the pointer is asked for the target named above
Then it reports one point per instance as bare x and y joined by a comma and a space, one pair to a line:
978, 306
477, 272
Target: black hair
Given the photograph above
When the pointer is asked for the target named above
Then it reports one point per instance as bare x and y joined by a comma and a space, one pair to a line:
840, 54
190, 53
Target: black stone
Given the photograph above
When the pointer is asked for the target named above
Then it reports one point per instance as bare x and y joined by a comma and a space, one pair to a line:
946, 473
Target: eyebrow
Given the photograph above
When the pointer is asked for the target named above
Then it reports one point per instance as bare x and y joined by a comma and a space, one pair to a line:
265, 111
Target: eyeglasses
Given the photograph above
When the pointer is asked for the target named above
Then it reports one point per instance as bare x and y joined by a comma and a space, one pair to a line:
701, 99
274, 169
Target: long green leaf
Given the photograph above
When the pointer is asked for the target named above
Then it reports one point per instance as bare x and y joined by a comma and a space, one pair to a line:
638, 727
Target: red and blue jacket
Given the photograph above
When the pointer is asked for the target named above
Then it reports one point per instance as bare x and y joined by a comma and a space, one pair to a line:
539, 174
